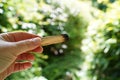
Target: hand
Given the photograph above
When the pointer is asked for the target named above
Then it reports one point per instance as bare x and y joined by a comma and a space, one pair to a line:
16, 46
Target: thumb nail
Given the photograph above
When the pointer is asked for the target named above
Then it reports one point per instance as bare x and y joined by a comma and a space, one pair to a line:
36, 41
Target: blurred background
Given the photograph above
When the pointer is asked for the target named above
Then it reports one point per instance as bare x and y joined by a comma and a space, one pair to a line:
93, 51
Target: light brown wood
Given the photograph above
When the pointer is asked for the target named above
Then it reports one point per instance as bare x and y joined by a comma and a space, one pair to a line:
53, 39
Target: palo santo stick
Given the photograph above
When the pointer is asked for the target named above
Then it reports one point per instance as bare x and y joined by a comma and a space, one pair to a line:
54, 39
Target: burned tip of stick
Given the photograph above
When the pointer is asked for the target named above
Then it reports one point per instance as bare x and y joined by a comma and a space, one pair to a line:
66, 37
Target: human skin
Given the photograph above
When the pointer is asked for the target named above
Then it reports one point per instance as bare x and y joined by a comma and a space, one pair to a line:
16, 46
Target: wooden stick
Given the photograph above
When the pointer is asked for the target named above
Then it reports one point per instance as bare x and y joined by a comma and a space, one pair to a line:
54, 39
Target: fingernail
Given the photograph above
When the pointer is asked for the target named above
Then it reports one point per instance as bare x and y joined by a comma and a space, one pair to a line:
36, 41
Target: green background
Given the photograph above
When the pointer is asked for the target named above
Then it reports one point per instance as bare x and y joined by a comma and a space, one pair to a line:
93, 51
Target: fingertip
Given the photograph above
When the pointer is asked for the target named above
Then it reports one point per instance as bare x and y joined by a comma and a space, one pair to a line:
38, 49
41, 49
27, 65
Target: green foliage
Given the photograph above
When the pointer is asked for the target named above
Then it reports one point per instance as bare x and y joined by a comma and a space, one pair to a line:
93, 51
104, 34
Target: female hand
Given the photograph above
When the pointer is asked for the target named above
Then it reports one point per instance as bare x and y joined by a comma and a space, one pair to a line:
16, 46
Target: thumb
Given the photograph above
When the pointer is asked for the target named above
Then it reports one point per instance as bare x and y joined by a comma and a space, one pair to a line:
27, 45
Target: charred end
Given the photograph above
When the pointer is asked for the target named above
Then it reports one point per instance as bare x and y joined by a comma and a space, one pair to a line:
66, 37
